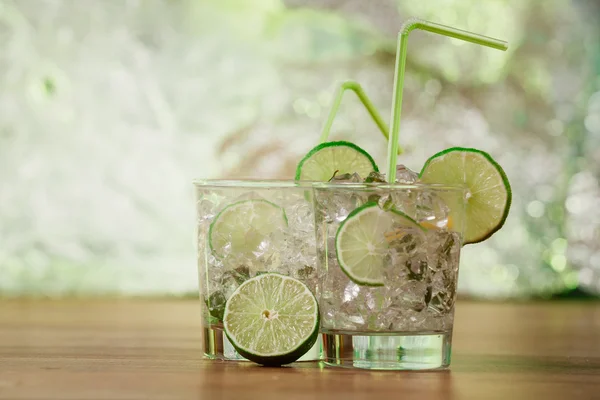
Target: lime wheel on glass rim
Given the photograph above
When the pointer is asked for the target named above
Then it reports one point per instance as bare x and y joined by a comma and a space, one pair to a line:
330, 158
489, 193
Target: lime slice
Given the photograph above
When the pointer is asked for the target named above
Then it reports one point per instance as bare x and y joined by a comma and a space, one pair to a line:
324, 160
363, 240
272, 319
489, 196
240, 227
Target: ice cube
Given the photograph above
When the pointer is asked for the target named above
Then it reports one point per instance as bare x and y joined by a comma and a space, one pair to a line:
405, 175
405, 241
444, 282
441, 303
375, 177
346, 178
305, 273
364, 308
216, 305
443, 249
272, 262
240, 274
351, 291
405, 200
264, 257
298, 250
417, 268
229, 284
206, 211
412, 321
409, 295
432, 210
375, 309
300, 216
345, 317
385, 201
335, 205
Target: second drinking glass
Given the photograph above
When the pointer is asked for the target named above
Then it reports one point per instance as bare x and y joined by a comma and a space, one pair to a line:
388, 259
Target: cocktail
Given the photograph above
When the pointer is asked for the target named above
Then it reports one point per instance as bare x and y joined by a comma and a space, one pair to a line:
389, 253
388, 262
377, 278
246, 229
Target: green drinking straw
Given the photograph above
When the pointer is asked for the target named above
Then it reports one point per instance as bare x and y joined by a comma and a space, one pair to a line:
407, 27
362, 96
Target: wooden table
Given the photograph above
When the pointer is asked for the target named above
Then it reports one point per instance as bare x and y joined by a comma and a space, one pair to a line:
151, 350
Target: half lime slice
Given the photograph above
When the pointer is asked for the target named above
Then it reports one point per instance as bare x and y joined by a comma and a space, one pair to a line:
272, 319
322, 162
240, 227
363, 240
489, 195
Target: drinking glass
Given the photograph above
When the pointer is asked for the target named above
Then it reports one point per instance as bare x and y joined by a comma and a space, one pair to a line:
246, 228
387, 264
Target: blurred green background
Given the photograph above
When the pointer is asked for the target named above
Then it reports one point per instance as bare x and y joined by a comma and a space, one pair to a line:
110, 108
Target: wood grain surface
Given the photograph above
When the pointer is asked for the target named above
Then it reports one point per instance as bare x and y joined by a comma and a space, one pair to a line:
140, 349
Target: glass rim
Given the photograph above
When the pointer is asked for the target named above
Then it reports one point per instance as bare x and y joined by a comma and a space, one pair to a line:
390, 186
290, 183
251, 183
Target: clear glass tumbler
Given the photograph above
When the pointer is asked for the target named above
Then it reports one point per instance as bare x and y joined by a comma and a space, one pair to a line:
246, 228
388, 259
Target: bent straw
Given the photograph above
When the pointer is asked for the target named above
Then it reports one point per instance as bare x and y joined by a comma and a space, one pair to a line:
409, 26
362, 96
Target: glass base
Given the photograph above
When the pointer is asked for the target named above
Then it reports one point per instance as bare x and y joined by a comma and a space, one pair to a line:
388, 351
218, 347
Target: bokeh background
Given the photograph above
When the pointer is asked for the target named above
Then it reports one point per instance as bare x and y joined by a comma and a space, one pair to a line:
109, 108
